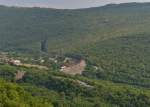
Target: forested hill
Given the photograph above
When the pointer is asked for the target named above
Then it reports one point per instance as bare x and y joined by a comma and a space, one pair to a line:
24, 28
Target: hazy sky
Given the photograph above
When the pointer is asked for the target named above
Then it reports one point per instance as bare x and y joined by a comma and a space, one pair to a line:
64, 3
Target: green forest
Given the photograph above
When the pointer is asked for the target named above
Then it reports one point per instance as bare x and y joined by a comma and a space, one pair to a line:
113, 41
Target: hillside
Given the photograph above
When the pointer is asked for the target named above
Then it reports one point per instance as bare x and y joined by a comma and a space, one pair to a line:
113, 37
70, 29
59, 90
12, 95
95, 57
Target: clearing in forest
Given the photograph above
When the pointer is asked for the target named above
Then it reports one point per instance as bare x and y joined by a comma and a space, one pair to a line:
74, 69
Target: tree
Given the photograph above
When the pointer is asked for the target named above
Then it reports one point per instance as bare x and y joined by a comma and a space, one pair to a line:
44, 45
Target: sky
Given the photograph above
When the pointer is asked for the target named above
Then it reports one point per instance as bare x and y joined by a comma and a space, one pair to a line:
64, 4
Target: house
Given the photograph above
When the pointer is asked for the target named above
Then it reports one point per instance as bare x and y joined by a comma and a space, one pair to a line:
42, 61
67, 60
15, 62
53, 60
62, 68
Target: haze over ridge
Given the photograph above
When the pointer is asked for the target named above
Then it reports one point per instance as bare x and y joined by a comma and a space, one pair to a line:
64, 4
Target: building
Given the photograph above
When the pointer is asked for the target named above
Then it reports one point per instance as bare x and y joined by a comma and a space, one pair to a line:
15, 62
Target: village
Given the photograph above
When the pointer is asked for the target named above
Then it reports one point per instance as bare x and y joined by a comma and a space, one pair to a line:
66, 65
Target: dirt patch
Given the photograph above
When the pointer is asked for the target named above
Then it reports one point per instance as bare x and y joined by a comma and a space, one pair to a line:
19, 75
34, 66
74, 69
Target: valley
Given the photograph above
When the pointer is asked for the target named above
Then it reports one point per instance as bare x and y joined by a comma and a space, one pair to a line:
94, 57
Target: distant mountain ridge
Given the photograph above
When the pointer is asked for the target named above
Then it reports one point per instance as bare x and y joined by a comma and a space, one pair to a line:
104, 6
